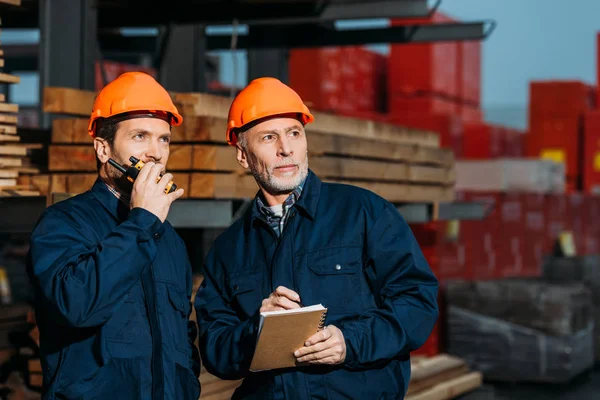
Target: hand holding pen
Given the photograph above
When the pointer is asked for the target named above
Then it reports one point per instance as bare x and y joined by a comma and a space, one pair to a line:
281, 299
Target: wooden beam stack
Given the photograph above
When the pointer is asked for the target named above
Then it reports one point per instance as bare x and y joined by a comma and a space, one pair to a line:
441, 377
13, 154
399, 164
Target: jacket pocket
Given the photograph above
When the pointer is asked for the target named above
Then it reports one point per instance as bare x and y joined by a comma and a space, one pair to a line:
118, 379
337, 279
246, 291
174, 307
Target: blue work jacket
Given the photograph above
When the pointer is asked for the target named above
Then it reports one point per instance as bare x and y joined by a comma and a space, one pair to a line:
343, 247
112, 302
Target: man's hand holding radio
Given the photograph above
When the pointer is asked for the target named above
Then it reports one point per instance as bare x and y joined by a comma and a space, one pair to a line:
149, 194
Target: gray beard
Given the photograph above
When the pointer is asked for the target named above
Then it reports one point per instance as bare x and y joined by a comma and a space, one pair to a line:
276, 185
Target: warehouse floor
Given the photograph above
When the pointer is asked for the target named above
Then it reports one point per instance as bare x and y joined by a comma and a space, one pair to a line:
585, 387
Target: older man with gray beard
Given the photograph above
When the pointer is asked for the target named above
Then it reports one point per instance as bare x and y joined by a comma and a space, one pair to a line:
306, 242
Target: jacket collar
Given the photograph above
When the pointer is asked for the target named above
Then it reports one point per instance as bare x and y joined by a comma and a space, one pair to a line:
307, 202
109, 201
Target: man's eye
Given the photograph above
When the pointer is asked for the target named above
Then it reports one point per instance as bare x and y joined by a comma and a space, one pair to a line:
295, 133
268, 137
166, 139
139, 136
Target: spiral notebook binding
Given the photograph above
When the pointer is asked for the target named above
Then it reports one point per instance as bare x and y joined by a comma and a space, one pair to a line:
322, 322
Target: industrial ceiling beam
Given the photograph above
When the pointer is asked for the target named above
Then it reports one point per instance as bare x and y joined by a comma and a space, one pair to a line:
137, 13
315, 36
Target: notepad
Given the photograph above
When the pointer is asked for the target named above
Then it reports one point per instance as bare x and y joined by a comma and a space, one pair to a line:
281, 333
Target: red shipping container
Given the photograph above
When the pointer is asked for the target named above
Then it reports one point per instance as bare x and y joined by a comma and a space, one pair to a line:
423, 67
591, 153
470, 114
560, 98
483, 141
479, 239
514, 142
113, 69
425, 104
576, 214
558, 138
556, 217
452, 257
591, 230
469, 72
534, 205
449, 127
510, 243
315, 74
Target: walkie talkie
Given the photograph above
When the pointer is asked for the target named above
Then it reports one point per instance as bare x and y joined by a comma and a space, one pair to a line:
132, 172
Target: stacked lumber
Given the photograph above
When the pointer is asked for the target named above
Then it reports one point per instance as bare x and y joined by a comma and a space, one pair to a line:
399, 164
14, 156
441, 377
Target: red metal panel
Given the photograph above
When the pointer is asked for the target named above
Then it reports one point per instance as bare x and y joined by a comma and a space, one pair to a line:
511, 240
480, 239
558, 138
316, 75
449, 127
423, 67
469, 72
534, 205
591, 153
483, 141
556, 217
560, 97
470, 114
424, 104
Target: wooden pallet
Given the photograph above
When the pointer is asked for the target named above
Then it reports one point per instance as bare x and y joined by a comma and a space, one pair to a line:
397, 163
442, 377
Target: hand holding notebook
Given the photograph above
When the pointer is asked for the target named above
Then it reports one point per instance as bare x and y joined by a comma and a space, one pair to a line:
283, 332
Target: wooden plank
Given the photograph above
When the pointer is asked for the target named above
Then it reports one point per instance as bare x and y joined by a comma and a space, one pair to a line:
80, 102
8, 129
11, 193
9, 138
10, 108
180, 158
83, 158
2, 95
234, 186
215, 158
450, 389
420, 385
10, 162
41, 183
61, 100
13, 150
8, 174
70, 130
71, 158
8, 119
201, 104
8, 182
34, 365
8, 78
222, 158
202, 129
11, 2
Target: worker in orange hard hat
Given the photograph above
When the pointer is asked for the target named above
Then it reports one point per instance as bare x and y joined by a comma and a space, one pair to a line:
305, 242
112, 278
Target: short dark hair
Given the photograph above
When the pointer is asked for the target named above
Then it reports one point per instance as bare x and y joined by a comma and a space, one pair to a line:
106, 128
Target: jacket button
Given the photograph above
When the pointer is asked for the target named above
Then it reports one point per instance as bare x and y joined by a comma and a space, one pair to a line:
235, 287
157, 235
338, 267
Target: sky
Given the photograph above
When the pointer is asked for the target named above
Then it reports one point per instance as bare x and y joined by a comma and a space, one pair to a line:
533, 40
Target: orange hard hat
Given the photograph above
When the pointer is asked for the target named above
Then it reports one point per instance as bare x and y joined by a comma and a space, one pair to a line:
133, 92
262, 98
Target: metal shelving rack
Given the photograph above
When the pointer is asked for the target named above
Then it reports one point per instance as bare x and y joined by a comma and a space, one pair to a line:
74, 34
